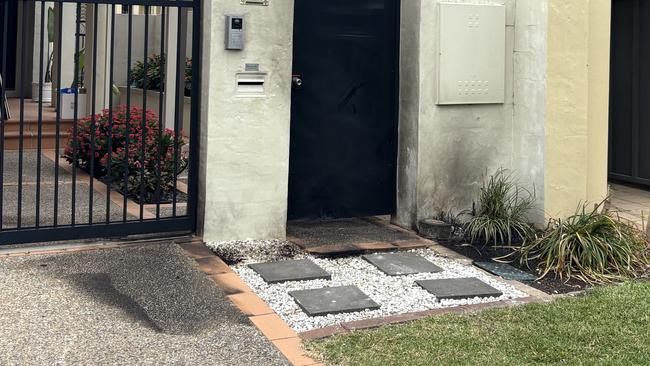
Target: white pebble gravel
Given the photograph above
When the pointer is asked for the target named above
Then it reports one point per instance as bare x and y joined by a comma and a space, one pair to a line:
395, 294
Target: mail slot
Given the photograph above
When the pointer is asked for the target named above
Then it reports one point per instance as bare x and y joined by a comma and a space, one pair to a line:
251, 85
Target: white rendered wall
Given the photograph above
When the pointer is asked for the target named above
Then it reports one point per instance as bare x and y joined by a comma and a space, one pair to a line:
446, 151
245, 141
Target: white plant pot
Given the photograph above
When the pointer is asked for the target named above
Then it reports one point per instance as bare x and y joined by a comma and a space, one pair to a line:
68, 105
47, 92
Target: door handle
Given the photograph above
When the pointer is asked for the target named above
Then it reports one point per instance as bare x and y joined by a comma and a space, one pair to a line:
296, 81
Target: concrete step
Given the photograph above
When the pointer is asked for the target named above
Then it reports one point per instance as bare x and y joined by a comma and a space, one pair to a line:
31, 125
30, 140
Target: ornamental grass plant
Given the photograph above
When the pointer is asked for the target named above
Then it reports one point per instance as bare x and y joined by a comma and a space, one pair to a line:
502, 213
591, 245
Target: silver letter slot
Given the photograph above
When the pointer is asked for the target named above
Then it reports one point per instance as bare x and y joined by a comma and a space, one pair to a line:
251, 85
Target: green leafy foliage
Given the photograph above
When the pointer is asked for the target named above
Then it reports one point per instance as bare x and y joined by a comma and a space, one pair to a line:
501, 216
121, 144
155, 68
155, 71
590, 245
50, 40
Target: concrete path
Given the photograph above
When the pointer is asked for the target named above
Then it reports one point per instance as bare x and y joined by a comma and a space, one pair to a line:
630, 203
147, 305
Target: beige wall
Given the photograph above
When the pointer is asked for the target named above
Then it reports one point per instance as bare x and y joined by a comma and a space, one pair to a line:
577, 109
245, 141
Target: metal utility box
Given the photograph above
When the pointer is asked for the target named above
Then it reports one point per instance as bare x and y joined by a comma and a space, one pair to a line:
471, 53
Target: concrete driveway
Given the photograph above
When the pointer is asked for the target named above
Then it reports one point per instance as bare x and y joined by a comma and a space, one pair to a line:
146, 305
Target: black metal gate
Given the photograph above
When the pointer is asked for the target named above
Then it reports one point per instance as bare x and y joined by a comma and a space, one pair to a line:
629, 117
99, 131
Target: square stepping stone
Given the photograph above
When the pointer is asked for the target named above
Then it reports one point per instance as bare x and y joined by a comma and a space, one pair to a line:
396, 264
293, 270
506, 271
459, 288
333, 300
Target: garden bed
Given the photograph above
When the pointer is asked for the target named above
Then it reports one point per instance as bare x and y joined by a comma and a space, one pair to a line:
181, 196
395, 294
548, 284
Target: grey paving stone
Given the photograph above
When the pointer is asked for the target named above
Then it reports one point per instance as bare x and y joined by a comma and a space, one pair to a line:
333, 300
506, 271
292, 270
459, 288
396, 264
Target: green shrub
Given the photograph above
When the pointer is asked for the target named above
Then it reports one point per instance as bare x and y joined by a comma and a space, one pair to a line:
501, 214
155, 70
590, 245
164, 157
155, 66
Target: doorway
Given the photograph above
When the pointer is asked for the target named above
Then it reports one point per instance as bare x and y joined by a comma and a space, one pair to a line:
343, 151
629, 116
8, 33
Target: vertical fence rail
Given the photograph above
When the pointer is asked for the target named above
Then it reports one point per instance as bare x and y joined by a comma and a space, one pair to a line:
92, 118
40, 116
144, 126
3, 71
57, 133
161, 116
107, 161
23, 56
127, 150
75, 127
111, 95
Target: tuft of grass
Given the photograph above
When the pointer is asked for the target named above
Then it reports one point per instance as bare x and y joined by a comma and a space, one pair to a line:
503, 207
608, 326
591, 246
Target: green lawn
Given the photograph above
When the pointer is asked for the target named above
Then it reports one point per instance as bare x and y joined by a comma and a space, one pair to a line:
610, 326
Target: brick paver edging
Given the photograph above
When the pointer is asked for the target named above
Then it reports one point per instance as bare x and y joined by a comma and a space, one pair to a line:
82, 246
276, 330
407, 317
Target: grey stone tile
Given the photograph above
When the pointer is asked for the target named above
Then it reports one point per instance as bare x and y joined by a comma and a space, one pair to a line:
459, 288
396, 264
291, 270
333, 300
506, 271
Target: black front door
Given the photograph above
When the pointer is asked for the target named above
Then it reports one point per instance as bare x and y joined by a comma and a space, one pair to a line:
343, 115
8, 21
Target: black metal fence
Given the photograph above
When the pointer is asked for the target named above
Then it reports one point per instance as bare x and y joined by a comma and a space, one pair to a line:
100, 117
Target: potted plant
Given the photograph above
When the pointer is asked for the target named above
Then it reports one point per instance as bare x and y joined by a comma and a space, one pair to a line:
46, 86
68, 97
155, 85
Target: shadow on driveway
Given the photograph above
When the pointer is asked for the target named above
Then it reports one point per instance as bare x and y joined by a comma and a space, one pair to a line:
142, 305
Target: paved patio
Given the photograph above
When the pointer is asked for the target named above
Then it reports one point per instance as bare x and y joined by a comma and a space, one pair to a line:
632, 203
146, 305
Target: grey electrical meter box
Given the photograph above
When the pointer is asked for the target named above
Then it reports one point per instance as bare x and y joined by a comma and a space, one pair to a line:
234, 32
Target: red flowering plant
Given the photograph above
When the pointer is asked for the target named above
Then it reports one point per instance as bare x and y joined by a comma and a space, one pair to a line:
154, 157
188, 77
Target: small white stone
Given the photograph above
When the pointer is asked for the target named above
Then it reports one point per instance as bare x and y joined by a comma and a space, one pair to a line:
395, 294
